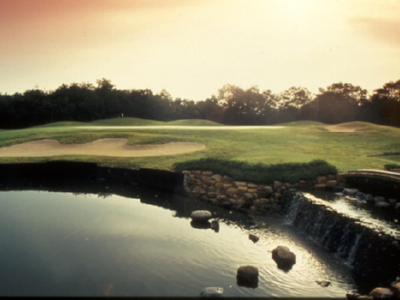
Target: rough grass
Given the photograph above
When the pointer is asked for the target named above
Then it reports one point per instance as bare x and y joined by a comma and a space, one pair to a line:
261, 173
301, 144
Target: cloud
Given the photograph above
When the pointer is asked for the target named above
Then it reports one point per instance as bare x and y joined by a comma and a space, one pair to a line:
382, 30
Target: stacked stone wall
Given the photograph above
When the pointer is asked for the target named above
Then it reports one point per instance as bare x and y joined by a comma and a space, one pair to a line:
240, 195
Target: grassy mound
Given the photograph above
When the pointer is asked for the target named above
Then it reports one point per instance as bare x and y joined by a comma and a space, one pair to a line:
261, 173
61, 124
125, 122
194, 122
302, 123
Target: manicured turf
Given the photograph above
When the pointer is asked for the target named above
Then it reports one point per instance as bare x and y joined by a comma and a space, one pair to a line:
133, 122
301, 142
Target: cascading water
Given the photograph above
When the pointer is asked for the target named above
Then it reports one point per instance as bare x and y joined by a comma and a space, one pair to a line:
369, 249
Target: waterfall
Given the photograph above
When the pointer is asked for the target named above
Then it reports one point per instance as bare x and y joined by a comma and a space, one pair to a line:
352, 252
369, 252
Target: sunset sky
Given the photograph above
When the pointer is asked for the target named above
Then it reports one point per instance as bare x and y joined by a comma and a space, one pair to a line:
192, 48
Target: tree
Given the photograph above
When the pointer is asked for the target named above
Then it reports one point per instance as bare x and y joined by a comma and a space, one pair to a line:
295, 97
384, 107
353, 93
242, 107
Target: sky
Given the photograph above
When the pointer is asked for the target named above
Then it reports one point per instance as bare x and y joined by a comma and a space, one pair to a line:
192, 48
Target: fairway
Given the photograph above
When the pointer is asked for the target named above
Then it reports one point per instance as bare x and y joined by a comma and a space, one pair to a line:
346, 146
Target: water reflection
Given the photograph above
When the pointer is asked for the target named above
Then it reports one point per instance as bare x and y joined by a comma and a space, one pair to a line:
60, 244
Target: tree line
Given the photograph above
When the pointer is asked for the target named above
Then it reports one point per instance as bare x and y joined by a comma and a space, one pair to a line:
232, 105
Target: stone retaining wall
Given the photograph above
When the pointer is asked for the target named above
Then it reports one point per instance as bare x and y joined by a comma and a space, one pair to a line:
240, 195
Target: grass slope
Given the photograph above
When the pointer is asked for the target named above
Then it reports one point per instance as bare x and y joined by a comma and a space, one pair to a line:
125, 122
303, 143
194, 122
132, 122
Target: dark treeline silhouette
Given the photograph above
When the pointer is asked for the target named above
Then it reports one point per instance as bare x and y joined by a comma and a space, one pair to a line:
338, 103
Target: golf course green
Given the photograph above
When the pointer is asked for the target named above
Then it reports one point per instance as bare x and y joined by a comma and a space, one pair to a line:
347, 146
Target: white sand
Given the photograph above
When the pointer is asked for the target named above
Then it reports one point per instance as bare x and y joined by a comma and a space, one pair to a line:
102, 147
335, 128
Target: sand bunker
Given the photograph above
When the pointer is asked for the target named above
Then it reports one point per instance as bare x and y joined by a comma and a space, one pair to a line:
102, 147
335, 128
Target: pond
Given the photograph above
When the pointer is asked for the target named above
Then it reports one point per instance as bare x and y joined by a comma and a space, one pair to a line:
141, 243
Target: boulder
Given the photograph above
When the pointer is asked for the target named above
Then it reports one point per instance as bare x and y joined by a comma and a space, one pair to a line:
395, 287
200, 225
360, 196
215, 225
353, 295
247, 276
369, 198
219, 185
350, 192
382, 205
331, 177
231, 191
208, 173
277, 185
221, 197
392, 201
323, 283
240, 183
216, 177
212, 292
201, 215
320, 186
253, 238
247, 196
242, 189
331, 183
283, 257
322, 179
226, 203
381, 293
337, 188
232, 201
379, 199
268, 190
252, 186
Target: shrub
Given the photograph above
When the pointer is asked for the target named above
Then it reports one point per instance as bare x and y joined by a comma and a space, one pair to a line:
392, 166
261, 173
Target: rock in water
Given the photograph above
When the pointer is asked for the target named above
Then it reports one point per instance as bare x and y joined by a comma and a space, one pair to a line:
323, 283
396, 288
381, 293
215, 225
247, 276
212, 292
200, 225
353, 295
283, 257
254, 238
201, 215
382, 204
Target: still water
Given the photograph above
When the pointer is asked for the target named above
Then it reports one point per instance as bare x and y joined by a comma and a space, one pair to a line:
86, 244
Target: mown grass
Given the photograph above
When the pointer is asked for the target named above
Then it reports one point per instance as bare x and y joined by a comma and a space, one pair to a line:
132, 122
300, 144
261, 173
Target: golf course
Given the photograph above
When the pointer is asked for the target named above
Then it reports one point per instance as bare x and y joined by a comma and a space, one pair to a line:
115, 142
